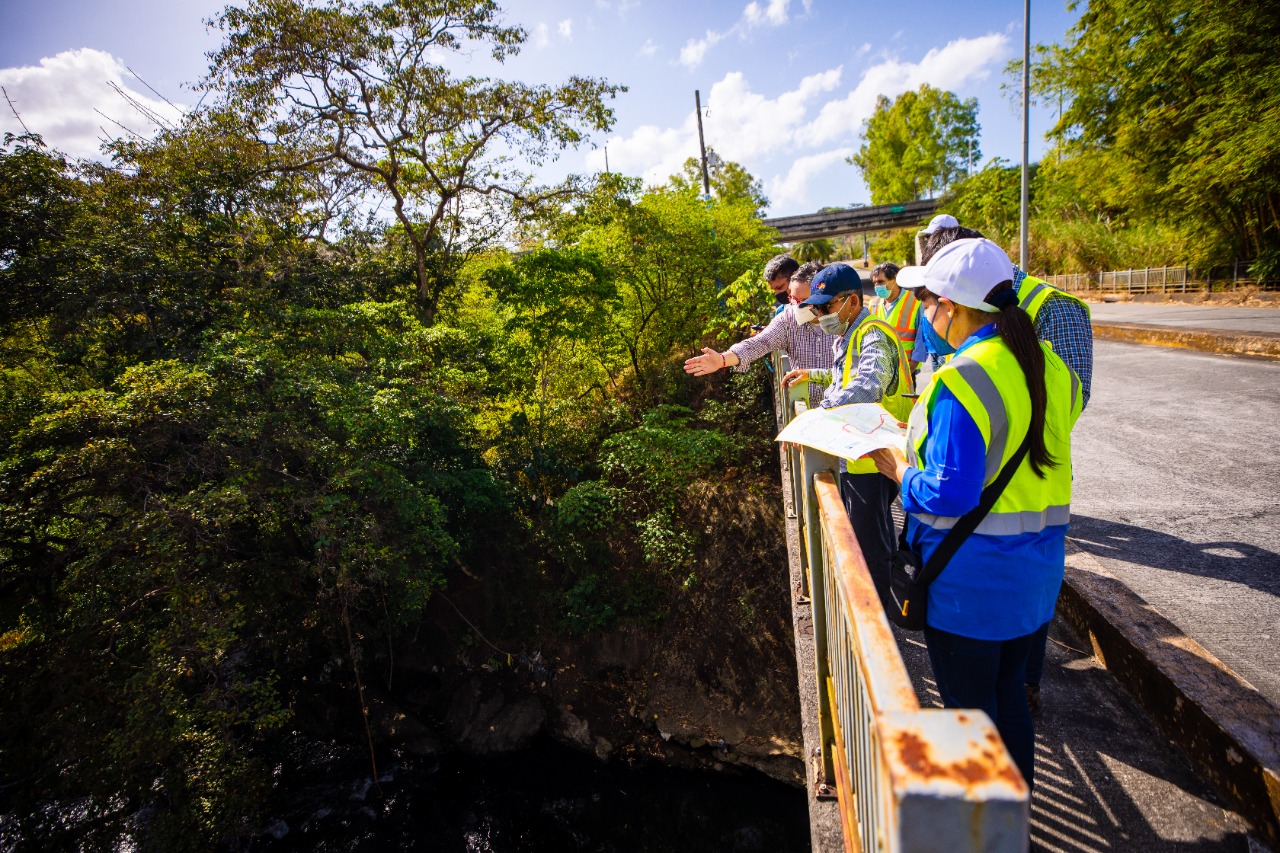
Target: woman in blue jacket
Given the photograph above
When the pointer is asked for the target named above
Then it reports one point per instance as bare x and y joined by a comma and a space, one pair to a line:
1001, 386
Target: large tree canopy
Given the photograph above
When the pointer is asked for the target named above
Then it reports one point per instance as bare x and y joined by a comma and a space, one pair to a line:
365, 88
917, 145
1177, 104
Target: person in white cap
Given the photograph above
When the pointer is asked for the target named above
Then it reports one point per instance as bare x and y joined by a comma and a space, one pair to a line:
1061, 320
1004, 399
938, 223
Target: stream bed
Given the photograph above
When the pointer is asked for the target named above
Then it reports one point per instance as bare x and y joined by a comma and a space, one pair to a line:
546, 798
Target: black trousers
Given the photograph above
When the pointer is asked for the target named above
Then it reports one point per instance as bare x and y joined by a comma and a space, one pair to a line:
867, 501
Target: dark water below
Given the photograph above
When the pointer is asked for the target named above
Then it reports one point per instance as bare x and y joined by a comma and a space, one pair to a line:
548, 798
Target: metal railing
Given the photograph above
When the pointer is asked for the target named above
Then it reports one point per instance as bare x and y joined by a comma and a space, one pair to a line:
1181, 279
908, 779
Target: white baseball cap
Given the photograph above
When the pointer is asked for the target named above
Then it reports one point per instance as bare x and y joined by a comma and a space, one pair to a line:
964, 272
942, 220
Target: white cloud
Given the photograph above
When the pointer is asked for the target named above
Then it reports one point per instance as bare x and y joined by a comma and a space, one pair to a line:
566, 28
746, 125
740, 124
57, 99
774, 14
541, 36
949, 67
792, 189
648, 48
801, 133
695, 50
652, 152
754, 15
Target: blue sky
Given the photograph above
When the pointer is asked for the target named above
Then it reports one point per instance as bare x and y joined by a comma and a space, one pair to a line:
785, 84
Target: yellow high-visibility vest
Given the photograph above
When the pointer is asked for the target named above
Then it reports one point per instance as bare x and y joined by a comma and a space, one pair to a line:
987, 380
897, 403
903, 316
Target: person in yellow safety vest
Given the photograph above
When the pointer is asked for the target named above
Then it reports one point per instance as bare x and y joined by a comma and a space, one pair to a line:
1002, 386
900, 309
1062, 321
869, 367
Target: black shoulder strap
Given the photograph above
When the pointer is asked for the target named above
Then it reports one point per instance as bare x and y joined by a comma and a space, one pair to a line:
970, 520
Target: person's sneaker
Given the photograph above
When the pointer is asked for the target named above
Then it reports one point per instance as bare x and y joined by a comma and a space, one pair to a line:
1033, 700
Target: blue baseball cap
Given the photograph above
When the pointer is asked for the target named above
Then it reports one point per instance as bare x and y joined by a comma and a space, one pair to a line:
832, 281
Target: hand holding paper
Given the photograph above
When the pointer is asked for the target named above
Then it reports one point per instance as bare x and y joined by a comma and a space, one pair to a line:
847, 431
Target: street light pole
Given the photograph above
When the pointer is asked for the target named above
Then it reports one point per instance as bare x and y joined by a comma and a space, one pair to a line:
1023, 257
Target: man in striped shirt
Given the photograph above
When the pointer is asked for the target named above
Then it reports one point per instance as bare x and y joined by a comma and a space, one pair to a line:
805, 346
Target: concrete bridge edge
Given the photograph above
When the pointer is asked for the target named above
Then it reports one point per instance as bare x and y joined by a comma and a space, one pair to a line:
1227, 729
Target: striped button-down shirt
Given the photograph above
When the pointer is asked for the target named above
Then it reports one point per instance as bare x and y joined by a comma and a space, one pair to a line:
806, 346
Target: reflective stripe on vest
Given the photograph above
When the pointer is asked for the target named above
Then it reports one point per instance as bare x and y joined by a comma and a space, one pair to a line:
896, 404
988, 382
903, 317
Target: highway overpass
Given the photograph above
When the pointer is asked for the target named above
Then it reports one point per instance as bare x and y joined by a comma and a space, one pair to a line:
856, 220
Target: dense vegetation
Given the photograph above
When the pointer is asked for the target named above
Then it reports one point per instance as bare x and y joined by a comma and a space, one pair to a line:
247, 433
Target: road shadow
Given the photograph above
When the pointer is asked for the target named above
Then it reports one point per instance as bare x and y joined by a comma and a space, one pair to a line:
1226, 559
1106, 779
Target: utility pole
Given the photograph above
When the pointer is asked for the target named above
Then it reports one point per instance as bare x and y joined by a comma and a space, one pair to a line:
1023, 257
606, 159
702, 146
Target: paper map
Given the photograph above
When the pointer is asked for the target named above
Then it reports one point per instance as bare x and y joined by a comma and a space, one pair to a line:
847, 431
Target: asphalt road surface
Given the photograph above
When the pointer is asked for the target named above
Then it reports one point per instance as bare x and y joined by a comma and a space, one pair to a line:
1226, 317
1176, 492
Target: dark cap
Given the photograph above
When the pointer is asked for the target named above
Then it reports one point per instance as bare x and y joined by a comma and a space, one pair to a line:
832, 281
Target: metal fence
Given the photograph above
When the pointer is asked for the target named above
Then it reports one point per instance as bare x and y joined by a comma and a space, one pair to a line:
908, 779
1183, 279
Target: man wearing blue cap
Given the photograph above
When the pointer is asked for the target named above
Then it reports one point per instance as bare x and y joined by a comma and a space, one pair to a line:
869, 367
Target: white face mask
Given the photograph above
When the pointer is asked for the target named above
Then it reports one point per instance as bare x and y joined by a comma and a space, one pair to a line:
832, 324
804, 314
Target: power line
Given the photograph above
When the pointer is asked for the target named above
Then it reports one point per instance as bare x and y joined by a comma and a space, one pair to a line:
15, 111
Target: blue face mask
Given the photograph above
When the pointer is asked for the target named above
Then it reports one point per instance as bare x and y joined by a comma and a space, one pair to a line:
882, 291
933, 342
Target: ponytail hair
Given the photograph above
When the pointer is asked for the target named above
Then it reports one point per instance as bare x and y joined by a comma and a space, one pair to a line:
1019, 334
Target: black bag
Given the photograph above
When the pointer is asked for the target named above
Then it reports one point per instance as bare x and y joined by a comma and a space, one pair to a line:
909, 579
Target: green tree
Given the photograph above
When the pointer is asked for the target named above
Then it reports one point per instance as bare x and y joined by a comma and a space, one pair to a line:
823, 249
730, 183
227, 479
1173, 108
990, 200
673, 253
358, 86
917, 145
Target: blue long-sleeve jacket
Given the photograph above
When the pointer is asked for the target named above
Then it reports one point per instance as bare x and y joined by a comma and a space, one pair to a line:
995, 587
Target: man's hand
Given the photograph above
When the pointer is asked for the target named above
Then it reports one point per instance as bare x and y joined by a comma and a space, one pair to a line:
701, 365
795, 376
891, 462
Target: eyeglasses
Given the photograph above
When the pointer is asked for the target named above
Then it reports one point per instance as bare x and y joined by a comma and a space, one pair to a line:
830, 306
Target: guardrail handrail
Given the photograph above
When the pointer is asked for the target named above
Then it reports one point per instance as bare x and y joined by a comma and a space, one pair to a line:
908, 779
1176, 279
